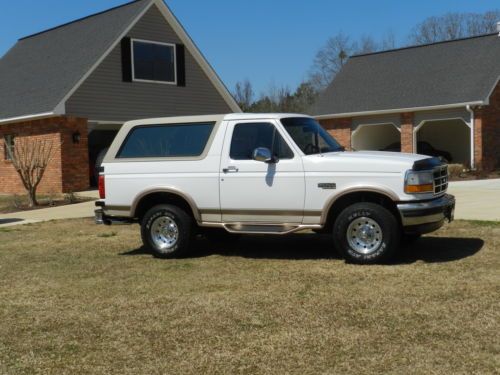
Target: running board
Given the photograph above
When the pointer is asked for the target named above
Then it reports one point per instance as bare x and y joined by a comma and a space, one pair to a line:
267, 228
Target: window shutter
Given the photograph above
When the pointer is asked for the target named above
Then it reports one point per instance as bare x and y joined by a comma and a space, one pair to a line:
181, 65
126, 60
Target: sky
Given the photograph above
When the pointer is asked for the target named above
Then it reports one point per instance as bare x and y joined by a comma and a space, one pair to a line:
268, 42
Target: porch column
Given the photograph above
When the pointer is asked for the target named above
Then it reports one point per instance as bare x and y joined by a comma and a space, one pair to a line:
407, 132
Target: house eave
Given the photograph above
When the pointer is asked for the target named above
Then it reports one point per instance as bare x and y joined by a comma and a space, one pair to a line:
37, 116
399, 110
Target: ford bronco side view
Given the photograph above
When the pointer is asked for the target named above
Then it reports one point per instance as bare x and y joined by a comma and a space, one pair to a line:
266, 174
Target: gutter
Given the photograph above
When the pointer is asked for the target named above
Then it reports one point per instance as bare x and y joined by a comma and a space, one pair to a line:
472, 131
398, 110
28, 117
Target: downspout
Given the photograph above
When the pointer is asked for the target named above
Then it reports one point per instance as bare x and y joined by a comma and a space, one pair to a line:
471, 111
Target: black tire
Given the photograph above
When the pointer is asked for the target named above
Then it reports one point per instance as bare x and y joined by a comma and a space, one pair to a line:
183, 233
377, 237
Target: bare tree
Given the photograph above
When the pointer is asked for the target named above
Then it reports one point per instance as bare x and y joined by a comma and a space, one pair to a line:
453, 26
330, 59
30, 157
367, 45
243, 94
388, 41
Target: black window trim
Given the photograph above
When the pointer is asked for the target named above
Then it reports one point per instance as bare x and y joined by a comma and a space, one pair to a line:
156, 158
276, 128
174, 47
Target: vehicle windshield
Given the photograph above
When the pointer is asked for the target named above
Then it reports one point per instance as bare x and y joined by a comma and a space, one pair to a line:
310, 136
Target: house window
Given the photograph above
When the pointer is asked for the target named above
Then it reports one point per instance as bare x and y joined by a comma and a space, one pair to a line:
8, 146
153, 62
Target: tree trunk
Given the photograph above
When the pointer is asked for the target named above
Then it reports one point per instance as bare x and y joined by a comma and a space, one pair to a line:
32, 202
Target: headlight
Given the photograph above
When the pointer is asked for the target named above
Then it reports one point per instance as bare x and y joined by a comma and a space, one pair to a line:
419, 182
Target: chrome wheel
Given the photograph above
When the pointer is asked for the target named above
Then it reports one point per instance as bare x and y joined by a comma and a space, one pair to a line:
164, 233
364, 235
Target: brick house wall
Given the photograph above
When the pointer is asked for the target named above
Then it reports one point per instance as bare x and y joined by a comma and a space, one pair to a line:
340, 129
487, 133
68, 169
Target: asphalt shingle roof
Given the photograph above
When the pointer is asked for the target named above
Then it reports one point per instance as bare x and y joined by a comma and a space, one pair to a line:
41, 69
452, 72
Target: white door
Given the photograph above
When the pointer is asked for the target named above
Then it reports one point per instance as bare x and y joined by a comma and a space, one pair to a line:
258, 192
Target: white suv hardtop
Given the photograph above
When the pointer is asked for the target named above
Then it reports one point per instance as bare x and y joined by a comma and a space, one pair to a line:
266, 174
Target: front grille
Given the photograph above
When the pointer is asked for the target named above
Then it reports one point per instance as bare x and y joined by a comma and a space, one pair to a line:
440, 179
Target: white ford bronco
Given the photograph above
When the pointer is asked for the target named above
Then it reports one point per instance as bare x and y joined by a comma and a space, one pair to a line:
266, 174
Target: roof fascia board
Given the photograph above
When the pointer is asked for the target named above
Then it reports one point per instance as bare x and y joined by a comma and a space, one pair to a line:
62, 103
398, 110
28, 117
198, 56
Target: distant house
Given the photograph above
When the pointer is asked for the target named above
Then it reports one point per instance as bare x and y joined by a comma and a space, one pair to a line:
444, 94
78, 83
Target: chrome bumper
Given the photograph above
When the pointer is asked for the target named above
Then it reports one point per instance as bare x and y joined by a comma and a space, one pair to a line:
433, 211
102, 218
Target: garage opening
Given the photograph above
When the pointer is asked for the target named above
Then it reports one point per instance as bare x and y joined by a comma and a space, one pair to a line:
376, 137
100, 138
449, 139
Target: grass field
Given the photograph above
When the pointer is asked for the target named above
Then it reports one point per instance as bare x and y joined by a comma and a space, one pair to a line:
76, 298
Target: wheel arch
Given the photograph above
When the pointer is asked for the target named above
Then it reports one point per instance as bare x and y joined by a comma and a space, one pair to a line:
151, 197
336, 204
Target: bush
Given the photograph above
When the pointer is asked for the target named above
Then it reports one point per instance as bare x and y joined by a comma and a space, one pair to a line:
456, 170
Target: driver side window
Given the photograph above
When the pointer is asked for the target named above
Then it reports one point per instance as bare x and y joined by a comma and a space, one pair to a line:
249, 136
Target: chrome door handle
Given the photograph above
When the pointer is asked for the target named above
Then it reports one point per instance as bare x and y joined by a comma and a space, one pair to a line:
230, 169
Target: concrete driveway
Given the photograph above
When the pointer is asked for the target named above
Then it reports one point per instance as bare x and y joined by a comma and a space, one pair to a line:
477, 200
72, 211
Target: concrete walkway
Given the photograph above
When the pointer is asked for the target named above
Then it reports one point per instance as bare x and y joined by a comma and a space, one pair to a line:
476, 200
72, 211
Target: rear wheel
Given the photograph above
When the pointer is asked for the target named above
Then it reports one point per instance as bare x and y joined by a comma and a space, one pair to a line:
366, 233
167, 230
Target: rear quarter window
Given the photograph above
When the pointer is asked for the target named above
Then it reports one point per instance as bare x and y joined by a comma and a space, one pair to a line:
168, 140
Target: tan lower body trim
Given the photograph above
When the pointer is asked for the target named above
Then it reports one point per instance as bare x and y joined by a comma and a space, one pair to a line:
260, 212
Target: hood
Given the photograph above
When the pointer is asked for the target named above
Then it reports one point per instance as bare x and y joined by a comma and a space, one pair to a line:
365, 161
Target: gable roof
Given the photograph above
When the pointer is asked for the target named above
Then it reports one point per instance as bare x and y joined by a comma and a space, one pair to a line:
452, 73
42, 71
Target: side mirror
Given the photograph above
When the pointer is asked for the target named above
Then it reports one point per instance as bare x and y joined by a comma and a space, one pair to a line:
263, 154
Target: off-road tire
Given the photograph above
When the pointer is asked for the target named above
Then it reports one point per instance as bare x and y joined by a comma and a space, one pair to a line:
184, 229
383, 232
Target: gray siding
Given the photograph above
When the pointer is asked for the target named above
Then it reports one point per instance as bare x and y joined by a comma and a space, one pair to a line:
105, 97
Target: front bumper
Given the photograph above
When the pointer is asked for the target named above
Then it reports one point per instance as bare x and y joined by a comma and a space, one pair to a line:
427, 216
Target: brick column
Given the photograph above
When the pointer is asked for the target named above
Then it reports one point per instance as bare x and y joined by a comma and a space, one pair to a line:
478, 138
340, 129
407, 132
74, 156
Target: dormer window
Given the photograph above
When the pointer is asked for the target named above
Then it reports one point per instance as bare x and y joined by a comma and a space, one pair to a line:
153, 62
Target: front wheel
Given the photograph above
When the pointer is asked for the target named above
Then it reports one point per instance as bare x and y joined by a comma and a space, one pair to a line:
166, 230
366, 233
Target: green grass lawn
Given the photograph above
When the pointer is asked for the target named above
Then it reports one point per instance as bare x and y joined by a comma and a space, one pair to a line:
76, 298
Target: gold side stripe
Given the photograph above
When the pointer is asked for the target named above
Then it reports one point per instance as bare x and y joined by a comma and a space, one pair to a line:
260, 212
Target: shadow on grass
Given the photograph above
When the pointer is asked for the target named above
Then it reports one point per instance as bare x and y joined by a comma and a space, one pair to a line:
439, 249
10, 221
317, 247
